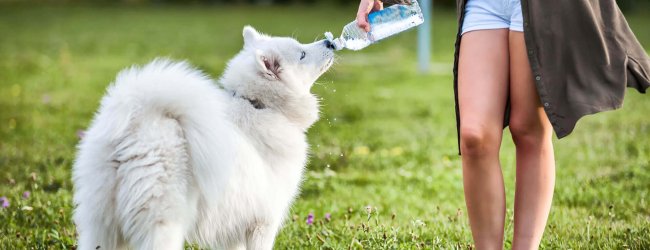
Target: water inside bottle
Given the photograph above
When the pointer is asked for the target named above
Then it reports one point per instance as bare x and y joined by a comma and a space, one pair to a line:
383, 23
393, 20
354, 37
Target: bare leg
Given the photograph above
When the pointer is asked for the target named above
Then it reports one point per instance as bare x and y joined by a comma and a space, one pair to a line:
483, 90
531, 132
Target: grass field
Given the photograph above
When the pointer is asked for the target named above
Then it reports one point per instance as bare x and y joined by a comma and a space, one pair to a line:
384, 163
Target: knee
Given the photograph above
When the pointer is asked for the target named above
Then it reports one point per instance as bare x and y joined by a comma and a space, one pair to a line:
478, 142
529, 133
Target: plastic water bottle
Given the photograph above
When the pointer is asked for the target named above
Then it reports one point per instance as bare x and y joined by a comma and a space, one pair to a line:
383, 23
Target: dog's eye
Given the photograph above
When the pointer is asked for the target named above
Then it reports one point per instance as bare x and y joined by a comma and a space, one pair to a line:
302, 55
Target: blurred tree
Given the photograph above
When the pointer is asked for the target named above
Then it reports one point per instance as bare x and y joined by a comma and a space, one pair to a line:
629, 5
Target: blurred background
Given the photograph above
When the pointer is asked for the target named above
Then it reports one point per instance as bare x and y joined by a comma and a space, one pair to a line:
624, 4
384, 172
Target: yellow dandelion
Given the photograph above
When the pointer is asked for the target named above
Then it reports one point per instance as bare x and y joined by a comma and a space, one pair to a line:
361, 150
396, 151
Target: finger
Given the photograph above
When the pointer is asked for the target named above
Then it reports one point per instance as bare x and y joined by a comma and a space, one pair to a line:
378, 5
366, 6
362, 22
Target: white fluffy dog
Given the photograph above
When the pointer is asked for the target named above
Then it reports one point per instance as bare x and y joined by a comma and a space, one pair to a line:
171, 156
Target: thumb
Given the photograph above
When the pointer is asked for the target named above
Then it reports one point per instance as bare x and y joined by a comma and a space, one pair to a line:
362, 22
365, 7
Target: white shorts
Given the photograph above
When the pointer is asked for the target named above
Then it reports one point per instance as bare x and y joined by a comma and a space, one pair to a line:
493, 14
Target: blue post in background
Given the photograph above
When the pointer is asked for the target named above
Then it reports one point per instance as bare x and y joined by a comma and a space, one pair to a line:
424, 38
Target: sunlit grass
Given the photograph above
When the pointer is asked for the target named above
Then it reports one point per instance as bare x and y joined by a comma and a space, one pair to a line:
384, 160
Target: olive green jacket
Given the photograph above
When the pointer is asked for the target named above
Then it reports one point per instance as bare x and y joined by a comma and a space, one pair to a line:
582, 54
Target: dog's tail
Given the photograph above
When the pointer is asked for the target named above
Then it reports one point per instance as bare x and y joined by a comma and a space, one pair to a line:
177, 91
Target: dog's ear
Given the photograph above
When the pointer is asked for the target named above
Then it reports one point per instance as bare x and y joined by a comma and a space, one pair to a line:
251, 36
268, 65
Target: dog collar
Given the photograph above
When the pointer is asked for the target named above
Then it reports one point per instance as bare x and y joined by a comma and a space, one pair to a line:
257, 104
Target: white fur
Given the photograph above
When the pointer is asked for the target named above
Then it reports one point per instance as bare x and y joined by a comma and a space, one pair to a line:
170, 156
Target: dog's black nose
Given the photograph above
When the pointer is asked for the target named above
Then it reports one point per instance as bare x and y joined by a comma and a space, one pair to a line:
329, 44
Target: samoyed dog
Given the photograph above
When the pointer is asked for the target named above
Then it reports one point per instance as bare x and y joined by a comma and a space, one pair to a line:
173, 156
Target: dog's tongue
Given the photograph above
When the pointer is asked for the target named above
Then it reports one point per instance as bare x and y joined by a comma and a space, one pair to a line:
338, 44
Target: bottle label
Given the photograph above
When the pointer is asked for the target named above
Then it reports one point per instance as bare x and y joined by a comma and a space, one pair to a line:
394, 19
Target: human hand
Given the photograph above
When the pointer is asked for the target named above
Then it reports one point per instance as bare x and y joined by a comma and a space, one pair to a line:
365, 7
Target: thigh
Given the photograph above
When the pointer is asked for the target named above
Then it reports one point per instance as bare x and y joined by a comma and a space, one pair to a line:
526, 114
483, 81
484, 15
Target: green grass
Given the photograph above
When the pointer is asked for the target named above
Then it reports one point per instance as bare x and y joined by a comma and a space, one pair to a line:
386, 139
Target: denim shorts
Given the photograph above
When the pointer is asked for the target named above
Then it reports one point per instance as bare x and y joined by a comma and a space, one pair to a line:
492, 14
